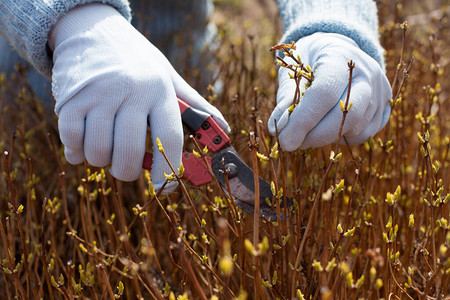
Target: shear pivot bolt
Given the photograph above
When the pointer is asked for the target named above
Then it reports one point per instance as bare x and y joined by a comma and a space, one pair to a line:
217, 140
231, 170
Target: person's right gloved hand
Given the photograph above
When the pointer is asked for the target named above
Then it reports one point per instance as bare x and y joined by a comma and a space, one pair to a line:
109, 81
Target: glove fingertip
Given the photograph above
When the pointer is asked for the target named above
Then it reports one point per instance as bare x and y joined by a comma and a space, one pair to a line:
74, 158
292, 137
271, 126
280, 121
128, 176
288, 145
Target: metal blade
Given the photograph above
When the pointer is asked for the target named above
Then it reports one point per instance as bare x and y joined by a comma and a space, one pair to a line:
242, 185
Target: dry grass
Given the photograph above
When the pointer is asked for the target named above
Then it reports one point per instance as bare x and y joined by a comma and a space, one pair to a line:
374, 224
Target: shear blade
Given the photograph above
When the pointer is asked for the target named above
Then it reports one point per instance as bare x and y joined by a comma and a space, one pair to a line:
242, 186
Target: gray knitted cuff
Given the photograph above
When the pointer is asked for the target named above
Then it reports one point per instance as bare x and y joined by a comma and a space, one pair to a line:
27, 23
356, 19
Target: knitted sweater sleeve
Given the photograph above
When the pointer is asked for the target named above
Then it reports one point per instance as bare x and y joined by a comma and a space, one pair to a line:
27, 23
355, 19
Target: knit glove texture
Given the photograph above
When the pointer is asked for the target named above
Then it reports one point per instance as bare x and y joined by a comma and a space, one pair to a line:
316, 120
109, 82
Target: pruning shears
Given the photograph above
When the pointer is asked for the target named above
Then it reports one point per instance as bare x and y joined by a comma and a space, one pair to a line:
226, 164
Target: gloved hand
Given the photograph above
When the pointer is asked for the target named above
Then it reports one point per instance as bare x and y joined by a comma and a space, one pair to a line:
109, 81
316, 120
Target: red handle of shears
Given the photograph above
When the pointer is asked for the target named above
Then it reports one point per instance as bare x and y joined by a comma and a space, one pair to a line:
207, 133
195, 169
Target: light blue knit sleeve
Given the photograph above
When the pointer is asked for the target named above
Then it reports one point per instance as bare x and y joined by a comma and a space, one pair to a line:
27, 23
355, 19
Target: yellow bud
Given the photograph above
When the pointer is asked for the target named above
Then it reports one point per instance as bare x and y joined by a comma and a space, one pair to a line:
300, 295
280, 193
350, 232
331, 265
262, 156
183, 297
272, 188
411, 221
196, 154
53, 282
291, 108
249, 247
317, 266
82, 247
350, 106
263, 247
160, 147
378, 284
359, 283
274, 151
340, 186
205, 238
151, 189
345, 269
226, 265
135, 211
181, 170
170, 177
373, 274
390, 199
338, 157
349, 279
404, 25
327, 195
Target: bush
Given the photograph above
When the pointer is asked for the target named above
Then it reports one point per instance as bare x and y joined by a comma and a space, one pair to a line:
368, 221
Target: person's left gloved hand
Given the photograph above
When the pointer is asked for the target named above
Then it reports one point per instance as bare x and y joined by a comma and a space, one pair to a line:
316, 120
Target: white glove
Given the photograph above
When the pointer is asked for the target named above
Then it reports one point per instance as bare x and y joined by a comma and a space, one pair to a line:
108, 80
316, 120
